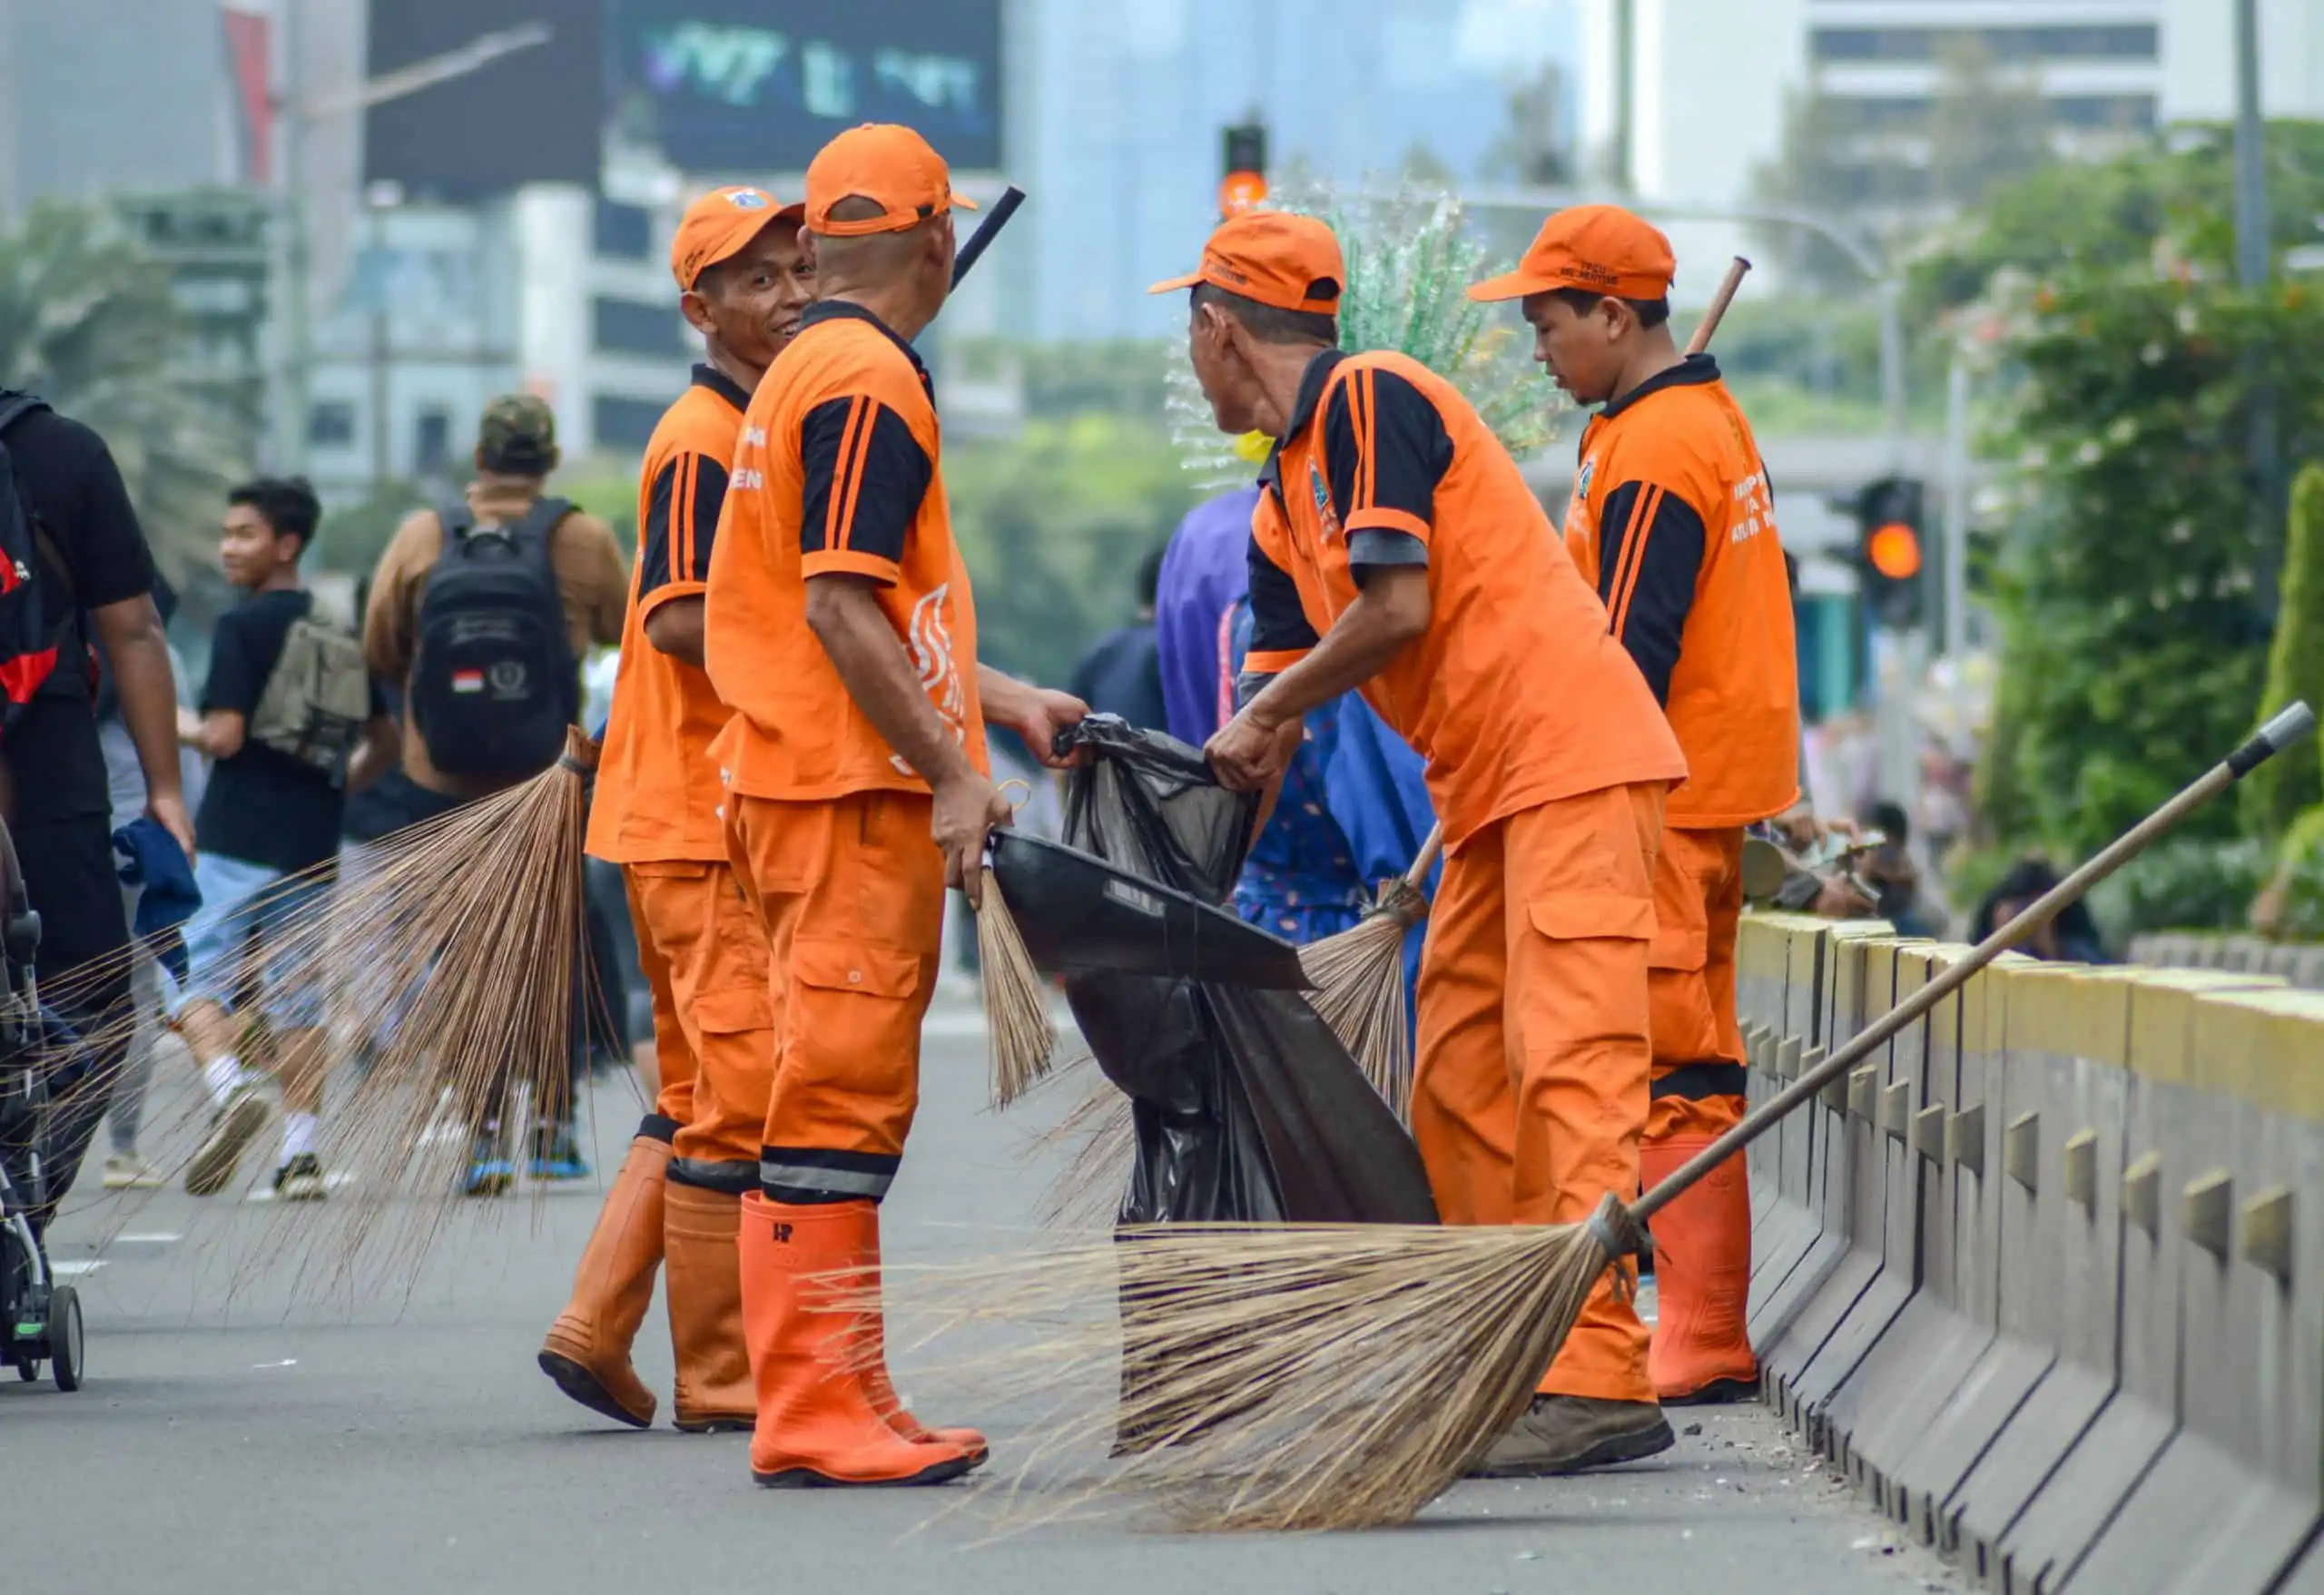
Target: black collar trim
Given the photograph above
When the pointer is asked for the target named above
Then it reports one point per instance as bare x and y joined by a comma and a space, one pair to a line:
1696, 371
837, 310
726, 387
1312, 383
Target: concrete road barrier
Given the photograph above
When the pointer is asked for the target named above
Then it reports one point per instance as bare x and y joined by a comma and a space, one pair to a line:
1791, 1219
2232, 1496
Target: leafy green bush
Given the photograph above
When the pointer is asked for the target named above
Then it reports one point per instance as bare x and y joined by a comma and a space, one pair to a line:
2298, 886
2275, 793
2186, 883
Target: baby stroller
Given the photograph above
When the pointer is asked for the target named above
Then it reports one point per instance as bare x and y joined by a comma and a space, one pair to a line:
40, 1320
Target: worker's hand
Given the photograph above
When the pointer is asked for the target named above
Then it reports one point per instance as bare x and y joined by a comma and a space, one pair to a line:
966, 809
168, 811
1248, 752
1038, 714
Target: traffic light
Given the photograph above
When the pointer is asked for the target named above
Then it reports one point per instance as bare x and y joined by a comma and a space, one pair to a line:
1890, 545
1243, 182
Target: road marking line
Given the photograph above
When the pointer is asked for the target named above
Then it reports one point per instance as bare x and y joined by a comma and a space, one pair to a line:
78, 1265
159, 1237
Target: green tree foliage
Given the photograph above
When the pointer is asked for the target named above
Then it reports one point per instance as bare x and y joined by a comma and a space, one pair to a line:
1053, 522
2274, 794
2134, 649
87, 322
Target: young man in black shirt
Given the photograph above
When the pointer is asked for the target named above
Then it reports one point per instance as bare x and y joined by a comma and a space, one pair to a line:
268, 820
95, 584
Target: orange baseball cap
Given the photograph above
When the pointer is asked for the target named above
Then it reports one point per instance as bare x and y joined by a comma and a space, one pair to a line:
1274, 258
1601, 248
889, 165
718, 225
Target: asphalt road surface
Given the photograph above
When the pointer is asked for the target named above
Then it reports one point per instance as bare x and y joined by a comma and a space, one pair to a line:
252, 1431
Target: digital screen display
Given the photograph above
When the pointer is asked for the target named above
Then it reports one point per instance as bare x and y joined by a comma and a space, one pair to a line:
534, 114
747, 87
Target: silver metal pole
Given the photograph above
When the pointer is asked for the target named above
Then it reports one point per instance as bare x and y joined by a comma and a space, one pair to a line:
298, 355
2250, 155
1957, 508
1892, 364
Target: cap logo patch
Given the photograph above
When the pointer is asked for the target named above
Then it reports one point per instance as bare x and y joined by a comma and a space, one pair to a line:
748, 199
1595, 276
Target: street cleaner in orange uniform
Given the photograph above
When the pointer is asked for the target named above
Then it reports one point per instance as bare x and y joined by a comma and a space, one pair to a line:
1398, 551
842, 633
742, 280
1672, 521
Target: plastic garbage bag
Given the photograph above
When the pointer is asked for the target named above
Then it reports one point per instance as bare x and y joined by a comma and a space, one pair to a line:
1247, 1109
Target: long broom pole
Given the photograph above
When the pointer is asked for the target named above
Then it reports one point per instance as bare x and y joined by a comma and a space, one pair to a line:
2287, 729
1698, 343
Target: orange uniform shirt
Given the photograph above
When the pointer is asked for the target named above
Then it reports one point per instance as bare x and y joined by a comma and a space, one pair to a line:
1516, 695
836, 471
1673, 522
657, 791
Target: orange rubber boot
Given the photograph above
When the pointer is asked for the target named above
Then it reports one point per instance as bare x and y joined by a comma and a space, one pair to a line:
817, 1421
891, 1405
1701, 1351
704, 1295
587, 1350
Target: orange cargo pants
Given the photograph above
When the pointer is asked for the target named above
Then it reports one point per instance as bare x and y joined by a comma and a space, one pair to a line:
850, 893
1529, 1094
706, 959
1699, 1082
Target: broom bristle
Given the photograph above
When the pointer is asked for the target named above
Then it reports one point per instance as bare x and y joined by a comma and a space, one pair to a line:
1359, 978
449, 968
1104, 1138
1273, 1377
1020, 1031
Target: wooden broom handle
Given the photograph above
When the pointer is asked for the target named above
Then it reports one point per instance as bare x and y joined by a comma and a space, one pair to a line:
1719, 303
1417, 876
2285, 730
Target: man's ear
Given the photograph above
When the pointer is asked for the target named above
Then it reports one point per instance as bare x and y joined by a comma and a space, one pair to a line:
695, 309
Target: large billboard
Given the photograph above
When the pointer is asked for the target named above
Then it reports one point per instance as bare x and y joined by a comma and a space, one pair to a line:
748, 87
534, 114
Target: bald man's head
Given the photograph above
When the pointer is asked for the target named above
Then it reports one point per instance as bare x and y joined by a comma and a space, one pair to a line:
916, 261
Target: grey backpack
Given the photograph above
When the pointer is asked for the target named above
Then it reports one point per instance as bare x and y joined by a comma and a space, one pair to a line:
318, 696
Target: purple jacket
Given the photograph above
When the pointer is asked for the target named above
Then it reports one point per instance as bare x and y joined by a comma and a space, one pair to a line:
1205, 568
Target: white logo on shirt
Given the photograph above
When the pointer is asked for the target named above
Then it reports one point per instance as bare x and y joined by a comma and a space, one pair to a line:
930, 638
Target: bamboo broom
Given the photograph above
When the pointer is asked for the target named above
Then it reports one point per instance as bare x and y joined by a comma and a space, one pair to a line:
1343, 1376
1359, 973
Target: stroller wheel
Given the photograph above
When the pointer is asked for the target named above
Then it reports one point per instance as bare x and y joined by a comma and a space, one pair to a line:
64, 1337
28, 1369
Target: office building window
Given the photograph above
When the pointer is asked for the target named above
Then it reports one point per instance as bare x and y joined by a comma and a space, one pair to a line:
2008, 46
2099, 113
431, 444
624, 423
331, 424
625, 232
624, 325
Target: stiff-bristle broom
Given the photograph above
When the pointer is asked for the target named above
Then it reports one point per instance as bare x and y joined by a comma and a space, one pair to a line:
1018, 1031
1343, 1376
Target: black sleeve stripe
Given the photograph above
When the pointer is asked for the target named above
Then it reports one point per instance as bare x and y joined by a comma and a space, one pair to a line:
1279, 623
701, 516
866, 476
1660, 559
1374, 547
822, 439
656, 553
1386, 450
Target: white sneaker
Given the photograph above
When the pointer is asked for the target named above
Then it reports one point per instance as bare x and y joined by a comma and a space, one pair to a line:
126, 1171
232, 1129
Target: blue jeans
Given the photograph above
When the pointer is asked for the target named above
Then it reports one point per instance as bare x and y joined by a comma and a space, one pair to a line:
248, 911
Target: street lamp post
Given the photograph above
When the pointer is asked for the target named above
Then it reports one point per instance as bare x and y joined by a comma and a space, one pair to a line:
296, 112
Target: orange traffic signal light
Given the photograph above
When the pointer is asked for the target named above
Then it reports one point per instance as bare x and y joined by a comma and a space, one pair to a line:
1895, 551
1242, 190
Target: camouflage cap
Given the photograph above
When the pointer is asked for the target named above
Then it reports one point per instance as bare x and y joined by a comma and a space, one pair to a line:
520, 428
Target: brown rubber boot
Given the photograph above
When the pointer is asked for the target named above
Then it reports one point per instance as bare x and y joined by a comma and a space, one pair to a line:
1701, 1350
704, 1292
817, 1424
587, 1350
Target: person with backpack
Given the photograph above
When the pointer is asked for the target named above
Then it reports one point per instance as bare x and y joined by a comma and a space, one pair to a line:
77, 574
482, 611
291, 719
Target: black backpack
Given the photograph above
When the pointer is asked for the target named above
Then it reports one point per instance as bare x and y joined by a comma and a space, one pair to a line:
494, 682
29, 648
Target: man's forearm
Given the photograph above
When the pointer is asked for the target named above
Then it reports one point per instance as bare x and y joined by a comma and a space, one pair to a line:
872, 665
1361, 644
675, 628
147, 687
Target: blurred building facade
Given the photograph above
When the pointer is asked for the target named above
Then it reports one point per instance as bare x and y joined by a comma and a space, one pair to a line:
1709, 80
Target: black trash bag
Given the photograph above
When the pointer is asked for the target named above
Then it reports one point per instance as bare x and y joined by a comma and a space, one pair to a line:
1247, 1109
